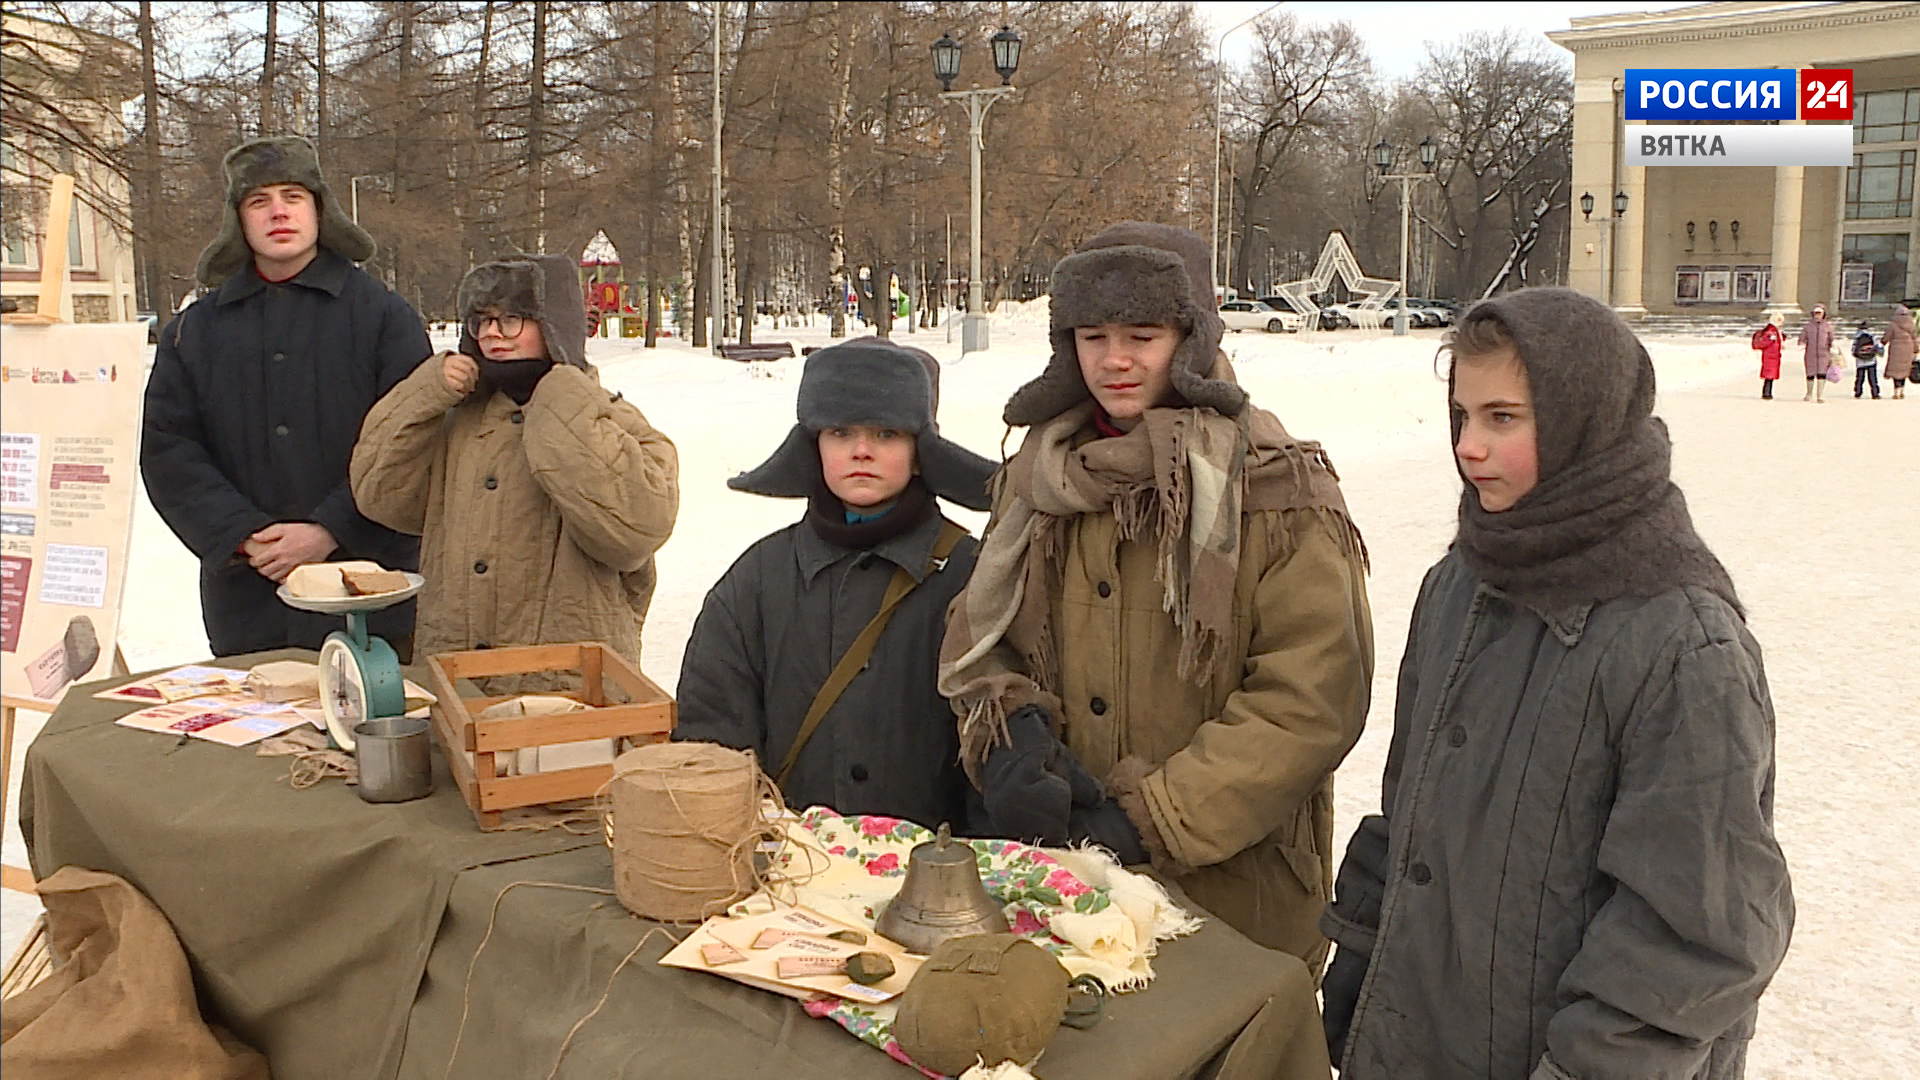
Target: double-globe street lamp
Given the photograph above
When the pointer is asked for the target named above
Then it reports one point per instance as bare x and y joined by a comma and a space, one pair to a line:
946, 68
1383, 155
1606, 237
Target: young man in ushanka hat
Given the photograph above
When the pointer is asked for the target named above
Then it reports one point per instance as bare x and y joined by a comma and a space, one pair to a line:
818, 649
256, 397
540, 496
1166, 646
1574, 874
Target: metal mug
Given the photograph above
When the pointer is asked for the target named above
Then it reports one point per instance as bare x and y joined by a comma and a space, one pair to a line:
396, 759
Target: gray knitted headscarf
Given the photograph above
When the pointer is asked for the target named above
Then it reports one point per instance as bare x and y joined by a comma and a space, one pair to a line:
1605, 519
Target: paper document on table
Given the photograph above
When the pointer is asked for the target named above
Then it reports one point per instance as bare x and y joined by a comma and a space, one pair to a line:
750, 949
180, 684
230, 719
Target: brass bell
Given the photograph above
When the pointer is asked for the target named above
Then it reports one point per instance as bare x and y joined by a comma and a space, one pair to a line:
942, 898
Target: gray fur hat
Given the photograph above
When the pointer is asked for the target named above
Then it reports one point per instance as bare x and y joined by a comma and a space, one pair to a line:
545, 288
871, 381
1141, 274
283, 159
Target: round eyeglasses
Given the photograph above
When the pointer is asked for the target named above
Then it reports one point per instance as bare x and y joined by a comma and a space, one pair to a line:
507, 325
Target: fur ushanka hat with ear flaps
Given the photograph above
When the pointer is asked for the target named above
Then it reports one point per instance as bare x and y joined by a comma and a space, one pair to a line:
545, 288
870, 381
1136, 274
284, 159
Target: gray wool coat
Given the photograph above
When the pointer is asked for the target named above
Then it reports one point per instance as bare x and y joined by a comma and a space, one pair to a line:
770, 633
1579, 876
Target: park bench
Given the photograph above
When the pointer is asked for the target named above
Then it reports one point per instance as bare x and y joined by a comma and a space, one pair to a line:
770, 350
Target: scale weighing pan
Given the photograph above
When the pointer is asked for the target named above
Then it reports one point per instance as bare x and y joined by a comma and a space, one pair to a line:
359, 674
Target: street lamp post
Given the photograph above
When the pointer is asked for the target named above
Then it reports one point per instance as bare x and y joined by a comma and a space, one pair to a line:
1219, 47
1606, 238
946, 67
1383, 155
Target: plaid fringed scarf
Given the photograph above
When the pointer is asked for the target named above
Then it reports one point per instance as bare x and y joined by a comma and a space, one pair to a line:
1188, 475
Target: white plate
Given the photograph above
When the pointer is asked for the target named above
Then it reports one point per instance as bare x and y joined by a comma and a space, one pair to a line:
341, 605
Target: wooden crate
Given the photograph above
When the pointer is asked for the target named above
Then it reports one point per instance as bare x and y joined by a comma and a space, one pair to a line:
498, 801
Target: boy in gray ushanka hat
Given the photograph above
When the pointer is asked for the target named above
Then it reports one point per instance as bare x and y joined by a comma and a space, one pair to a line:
817, 650
257, 393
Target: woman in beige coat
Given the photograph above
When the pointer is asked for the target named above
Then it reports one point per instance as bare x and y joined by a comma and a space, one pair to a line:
540, 497
1900, 349
1165, 647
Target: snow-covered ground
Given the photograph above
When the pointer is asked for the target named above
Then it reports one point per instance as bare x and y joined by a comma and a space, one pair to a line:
1813, 509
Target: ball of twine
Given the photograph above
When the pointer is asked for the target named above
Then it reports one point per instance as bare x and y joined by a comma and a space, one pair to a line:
689, 820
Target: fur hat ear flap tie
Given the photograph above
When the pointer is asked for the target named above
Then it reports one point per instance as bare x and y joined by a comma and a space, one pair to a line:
282, 159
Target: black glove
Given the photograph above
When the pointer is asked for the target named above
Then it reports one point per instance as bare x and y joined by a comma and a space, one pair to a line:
1340, 991
1358, 890
1031, 783
1106, 824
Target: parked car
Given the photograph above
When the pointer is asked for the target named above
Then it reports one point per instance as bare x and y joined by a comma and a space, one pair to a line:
1329, 318
1241, 315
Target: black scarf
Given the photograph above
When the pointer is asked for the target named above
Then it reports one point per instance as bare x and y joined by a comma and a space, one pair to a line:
1605, 520
514, 378
827, 517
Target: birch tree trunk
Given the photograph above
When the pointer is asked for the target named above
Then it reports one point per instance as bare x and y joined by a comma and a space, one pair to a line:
840, 55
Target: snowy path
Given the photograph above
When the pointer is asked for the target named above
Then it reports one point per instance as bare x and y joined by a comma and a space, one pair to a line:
1804, 503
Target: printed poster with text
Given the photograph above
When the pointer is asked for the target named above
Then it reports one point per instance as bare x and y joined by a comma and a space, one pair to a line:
69, 458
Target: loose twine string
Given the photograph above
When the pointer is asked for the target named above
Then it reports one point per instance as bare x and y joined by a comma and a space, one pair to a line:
766, 824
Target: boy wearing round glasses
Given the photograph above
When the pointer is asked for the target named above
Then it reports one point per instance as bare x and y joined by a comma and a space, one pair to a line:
540, 498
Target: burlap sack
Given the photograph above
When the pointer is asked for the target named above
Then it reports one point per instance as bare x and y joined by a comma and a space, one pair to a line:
122, 1004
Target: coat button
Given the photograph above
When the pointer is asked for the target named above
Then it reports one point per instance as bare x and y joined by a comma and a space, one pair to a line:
516, 417
1419, 874
1098, 706
1457, 736
859, 773
279, 356
492, 482
1106, 590
280, 430
480, 567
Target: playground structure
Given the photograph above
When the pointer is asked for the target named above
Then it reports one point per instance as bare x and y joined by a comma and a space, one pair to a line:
1337, 260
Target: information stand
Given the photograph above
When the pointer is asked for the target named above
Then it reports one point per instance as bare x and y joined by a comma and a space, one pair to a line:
69, 459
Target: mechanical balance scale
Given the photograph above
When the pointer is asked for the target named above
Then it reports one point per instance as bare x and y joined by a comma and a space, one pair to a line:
359, 673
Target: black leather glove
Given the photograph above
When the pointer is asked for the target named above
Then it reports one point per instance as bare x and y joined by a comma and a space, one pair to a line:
1032, 783
1106, 824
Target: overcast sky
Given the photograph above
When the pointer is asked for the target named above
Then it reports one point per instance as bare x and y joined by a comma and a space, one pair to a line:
1397, 33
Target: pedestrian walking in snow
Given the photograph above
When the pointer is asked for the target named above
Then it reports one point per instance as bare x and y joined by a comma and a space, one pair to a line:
1166, 647
256, 397
540, 497
818, 649
1866, 354
1768, 340
1816, 335
1574, 873
1901, 347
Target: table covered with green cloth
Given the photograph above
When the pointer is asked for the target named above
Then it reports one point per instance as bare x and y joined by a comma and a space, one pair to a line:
340, 938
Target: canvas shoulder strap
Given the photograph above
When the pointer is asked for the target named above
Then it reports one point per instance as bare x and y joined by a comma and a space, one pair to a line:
858, 653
